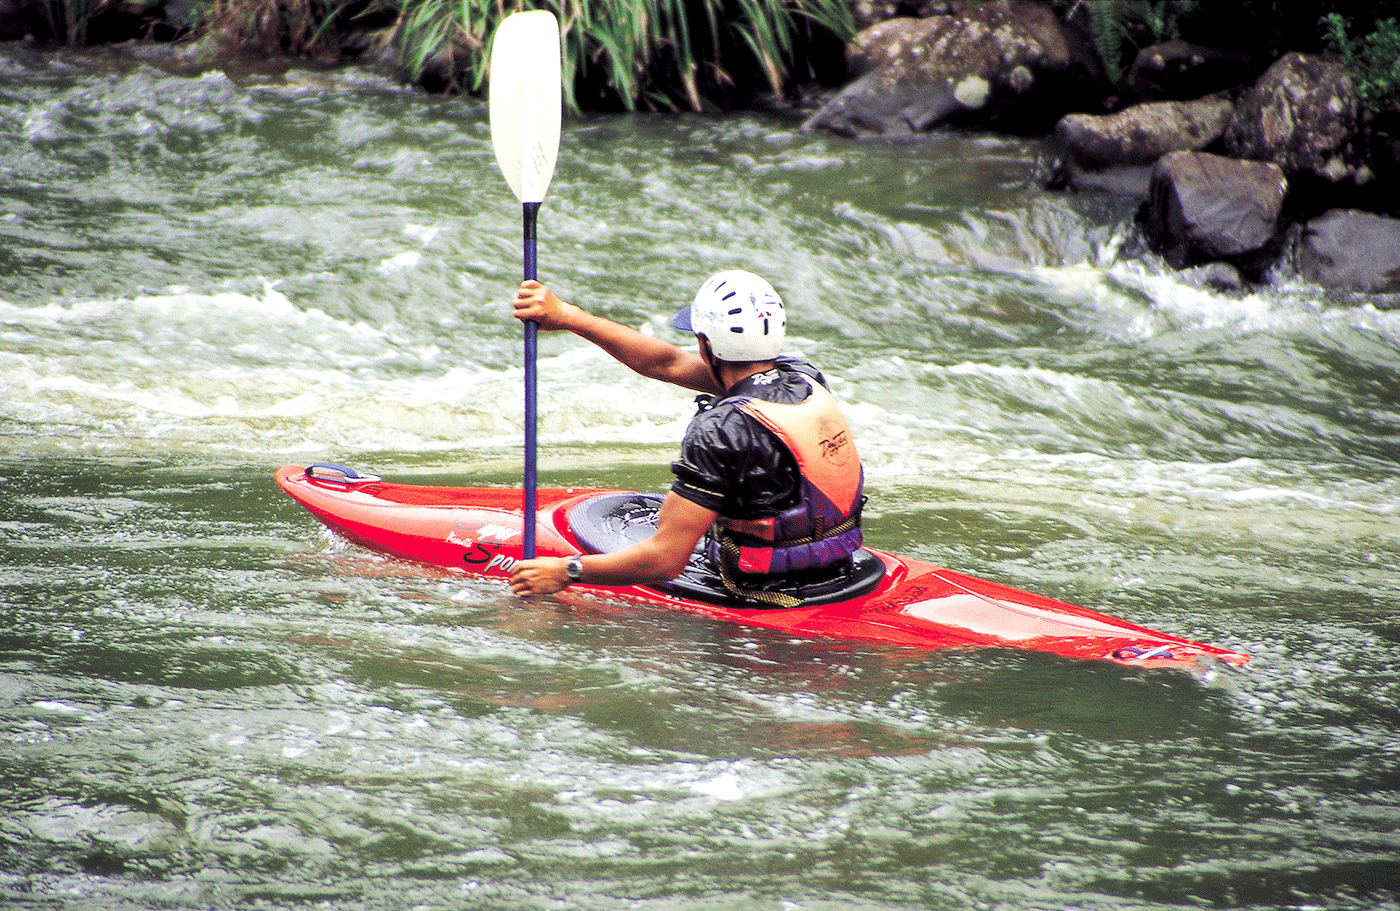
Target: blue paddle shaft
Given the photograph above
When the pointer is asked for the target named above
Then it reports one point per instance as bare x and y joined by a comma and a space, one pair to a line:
531, 214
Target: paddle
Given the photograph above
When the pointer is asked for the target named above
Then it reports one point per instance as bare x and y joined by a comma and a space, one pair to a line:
525, 103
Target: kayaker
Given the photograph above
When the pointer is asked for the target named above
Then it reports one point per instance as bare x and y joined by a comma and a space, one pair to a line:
768, 466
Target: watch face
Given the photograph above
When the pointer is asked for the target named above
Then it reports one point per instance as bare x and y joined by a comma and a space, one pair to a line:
574, 568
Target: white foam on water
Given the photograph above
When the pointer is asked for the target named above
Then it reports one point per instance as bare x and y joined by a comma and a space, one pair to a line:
1132, 300
258, 373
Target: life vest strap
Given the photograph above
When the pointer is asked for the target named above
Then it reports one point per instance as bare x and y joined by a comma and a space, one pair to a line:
845, 525
731, 545
729, 556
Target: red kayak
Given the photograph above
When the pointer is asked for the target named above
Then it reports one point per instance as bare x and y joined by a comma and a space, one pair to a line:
881, 597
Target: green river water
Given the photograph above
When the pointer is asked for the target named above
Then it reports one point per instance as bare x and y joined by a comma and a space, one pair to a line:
208, 702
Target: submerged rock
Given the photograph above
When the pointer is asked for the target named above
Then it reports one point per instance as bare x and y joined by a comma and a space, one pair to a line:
1215, 276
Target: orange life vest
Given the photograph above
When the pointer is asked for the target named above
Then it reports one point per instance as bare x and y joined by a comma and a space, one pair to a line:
824, 526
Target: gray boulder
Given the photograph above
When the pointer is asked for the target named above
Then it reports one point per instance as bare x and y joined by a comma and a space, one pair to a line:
1177, 70
987, 64
1205, 207
1141, 134
1302, 116
1351, 250
868, 12
1104, 152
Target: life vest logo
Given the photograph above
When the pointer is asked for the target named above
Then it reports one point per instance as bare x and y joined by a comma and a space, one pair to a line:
835, 441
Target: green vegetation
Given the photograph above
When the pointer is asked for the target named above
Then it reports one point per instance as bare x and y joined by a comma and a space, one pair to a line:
1120, 28
626, 54
1374, 58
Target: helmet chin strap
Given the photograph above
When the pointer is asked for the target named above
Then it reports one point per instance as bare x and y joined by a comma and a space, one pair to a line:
707, 354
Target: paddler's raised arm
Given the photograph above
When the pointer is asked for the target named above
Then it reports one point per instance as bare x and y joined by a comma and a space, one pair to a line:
651, 357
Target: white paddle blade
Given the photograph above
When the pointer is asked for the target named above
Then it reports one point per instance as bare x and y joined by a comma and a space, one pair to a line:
526, 100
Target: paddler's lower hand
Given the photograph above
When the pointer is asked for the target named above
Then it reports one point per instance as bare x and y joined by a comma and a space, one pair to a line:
535, 302
542, 576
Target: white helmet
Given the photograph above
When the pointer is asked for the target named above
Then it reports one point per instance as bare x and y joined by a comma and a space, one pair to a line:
740, 314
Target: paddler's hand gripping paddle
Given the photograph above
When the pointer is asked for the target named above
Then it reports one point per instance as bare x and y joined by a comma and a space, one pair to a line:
525, 104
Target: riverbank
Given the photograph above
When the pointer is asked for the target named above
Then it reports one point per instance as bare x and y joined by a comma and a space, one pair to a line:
1257, 163
1252, 160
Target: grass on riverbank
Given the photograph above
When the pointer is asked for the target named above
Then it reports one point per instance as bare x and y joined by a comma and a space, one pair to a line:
623, 54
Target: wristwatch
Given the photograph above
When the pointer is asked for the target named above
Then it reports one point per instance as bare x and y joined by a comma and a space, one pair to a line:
574, 570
